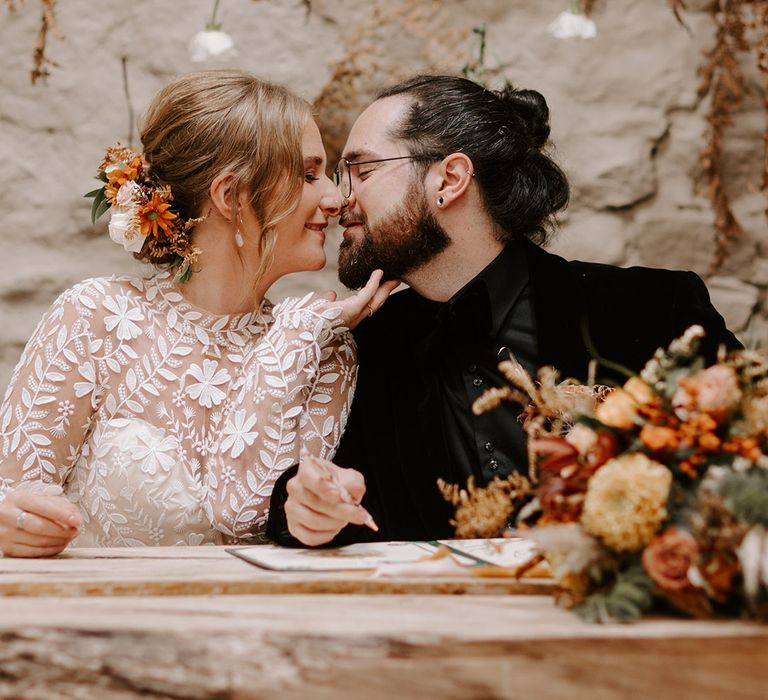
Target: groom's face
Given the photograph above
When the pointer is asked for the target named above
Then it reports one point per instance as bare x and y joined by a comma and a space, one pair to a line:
387, 223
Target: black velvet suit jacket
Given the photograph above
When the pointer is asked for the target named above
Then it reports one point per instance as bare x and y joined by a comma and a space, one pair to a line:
396, 439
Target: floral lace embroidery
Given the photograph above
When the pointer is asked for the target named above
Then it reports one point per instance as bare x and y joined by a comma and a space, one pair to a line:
167, 424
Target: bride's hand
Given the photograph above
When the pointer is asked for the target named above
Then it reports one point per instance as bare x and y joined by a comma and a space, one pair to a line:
33, 525
366, 302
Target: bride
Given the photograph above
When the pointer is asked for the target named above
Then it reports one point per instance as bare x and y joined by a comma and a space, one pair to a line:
160, 410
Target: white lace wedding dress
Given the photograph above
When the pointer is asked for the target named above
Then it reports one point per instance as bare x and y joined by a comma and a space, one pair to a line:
167, 424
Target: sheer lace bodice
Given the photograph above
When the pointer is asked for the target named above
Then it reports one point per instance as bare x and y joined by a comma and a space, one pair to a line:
168, 424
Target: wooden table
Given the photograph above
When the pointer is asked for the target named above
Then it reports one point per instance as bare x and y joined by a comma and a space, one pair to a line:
198, 623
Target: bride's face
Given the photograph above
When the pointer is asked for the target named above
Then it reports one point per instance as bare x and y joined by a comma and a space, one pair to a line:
301, 236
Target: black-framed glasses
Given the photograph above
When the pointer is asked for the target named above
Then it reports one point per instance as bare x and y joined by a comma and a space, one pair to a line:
343, 170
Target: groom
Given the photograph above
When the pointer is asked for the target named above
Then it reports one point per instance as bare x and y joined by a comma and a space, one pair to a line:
448, 188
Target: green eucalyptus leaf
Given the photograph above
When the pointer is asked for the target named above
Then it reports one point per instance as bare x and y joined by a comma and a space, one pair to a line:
624, 610
626, 600
99, 211
746, 495
633, 593
183, 275
99, 199
93, 193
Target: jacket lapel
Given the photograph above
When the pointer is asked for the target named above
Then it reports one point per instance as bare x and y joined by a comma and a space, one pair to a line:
412, 450
560, 310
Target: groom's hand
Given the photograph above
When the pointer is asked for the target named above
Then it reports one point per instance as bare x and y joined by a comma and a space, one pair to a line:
318, 506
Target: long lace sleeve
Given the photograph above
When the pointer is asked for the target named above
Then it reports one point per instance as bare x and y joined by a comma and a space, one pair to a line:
295, 389
48, 407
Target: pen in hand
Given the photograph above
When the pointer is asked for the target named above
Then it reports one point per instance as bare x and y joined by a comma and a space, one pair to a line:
344, 495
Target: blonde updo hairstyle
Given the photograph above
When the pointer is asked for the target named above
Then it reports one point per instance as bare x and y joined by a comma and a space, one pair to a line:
205, 124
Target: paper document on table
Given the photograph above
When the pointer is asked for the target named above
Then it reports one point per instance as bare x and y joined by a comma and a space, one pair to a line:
498, 551
372, 555
353, 557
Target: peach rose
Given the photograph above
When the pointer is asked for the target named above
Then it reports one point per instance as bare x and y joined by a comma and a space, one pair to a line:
668, 558
618, 410
582, 438
639, 391
718, 389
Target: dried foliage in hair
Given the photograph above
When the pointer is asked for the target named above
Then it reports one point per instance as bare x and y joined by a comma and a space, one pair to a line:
484, 512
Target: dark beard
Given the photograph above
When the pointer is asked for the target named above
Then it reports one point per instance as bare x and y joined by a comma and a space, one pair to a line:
406, 240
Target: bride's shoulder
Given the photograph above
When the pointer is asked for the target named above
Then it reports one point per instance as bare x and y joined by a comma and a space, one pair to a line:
90, 295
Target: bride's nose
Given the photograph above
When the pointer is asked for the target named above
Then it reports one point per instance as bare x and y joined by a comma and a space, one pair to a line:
331, 201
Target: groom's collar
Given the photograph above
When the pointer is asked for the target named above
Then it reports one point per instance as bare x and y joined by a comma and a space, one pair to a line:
492, 293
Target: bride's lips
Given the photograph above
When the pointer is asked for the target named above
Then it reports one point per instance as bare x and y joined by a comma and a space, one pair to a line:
319, 229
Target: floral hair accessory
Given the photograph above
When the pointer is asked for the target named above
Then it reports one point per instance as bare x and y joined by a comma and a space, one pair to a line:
143, 218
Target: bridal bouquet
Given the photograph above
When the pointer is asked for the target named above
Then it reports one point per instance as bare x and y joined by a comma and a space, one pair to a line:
645, 497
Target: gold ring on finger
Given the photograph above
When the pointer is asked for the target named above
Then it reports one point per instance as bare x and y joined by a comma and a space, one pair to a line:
370, 310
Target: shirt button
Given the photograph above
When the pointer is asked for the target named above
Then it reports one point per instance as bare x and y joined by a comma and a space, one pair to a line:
488, 447
472, 368
493, 465
477, 381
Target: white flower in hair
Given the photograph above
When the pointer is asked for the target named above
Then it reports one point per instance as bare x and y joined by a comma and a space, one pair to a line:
211, 43
124, 227
570, 25
128, 194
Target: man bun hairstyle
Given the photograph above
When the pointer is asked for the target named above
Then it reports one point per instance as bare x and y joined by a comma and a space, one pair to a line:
503, 132
529, 109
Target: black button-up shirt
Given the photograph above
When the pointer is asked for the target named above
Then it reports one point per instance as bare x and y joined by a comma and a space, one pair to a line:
482, 324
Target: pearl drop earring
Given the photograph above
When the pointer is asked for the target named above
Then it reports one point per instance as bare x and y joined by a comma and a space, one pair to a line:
239, 239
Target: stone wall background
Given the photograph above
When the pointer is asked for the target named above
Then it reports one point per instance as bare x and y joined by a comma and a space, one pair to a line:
627, 123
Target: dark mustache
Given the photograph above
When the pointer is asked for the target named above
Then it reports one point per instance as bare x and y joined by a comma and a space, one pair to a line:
345, 220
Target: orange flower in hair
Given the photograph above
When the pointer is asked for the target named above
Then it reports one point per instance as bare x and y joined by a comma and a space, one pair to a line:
120, 174
154, 215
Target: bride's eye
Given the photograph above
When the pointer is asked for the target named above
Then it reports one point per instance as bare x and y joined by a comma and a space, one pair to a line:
310, 177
